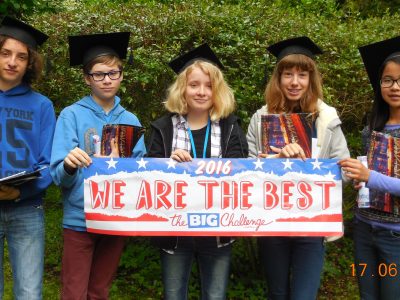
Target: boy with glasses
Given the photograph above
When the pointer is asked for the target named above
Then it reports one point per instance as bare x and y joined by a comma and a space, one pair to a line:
89, 260
27, 124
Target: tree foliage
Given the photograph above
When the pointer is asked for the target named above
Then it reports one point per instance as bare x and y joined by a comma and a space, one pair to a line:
19, 8
370, 8
239, 35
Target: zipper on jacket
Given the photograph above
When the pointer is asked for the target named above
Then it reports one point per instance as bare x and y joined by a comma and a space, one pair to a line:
227, 141
258, 136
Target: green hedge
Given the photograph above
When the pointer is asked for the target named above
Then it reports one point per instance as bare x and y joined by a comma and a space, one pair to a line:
239, 33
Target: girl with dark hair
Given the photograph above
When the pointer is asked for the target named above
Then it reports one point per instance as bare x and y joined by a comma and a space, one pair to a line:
377, 226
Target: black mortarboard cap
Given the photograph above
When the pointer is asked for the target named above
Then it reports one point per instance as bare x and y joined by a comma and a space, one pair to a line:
84, 48
203, 52
298, 45
374, 55
22, 32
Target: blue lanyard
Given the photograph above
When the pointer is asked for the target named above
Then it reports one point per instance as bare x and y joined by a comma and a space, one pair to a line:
205, 140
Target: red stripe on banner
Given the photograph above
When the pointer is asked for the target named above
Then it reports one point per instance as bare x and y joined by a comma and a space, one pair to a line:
142, 218
153, 218
214, 233
320, 218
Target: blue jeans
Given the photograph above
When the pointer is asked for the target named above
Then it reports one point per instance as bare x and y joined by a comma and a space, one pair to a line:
23, 227
293, 266
213, 263
377, 259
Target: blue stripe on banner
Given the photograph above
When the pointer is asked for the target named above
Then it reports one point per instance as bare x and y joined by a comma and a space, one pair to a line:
214, 167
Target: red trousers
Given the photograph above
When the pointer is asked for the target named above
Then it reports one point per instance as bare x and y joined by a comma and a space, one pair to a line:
89, 264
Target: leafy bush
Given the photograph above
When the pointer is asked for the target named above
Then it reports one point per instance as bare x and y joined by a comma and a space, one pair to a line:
239, 36
368, 8
26, 7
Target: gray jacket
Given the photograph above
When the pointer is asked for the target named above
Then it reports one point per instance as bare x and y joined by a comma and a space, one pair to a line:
330, 137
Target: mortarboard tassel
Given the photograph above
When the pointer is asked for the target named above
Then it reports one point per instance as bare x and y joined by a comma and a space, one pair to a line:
130, 59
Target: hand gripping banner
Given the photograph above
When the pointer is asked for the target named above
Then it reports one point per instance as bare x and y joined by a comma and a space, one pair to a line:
213, 197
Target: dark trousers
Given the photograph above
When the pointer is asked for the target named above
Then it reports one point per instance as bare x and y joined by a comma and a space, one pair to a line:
213, 263
89, 264
377, 261
293, 266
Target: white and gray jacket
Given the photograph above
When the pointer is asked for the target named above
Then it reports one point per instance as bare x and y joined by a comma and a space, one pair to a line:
330, 137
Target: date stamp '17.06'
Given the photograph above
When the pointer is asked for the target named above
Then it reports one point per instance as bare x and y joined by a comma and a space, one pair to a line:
382, 270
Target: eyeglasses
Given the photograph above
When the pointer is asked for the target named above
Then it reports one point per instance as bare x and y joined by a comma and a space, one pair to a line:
99, 76
388, 82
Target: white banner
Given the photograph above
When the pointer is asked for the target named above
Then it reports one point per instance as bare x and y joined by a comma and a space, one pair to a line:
214, 197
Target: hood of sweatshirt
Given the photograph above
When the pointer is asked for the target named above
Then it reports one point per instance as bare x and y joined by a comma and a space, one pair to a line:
17, 90
89, 103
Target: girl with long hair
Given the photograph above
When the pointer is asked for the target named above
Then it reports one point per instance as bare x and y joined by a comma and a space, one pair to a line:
377, 227
293, 265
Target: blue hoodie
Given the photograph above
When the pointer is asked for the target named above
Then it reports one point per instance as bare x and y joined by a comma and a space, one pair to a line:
27, 122
76, 126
